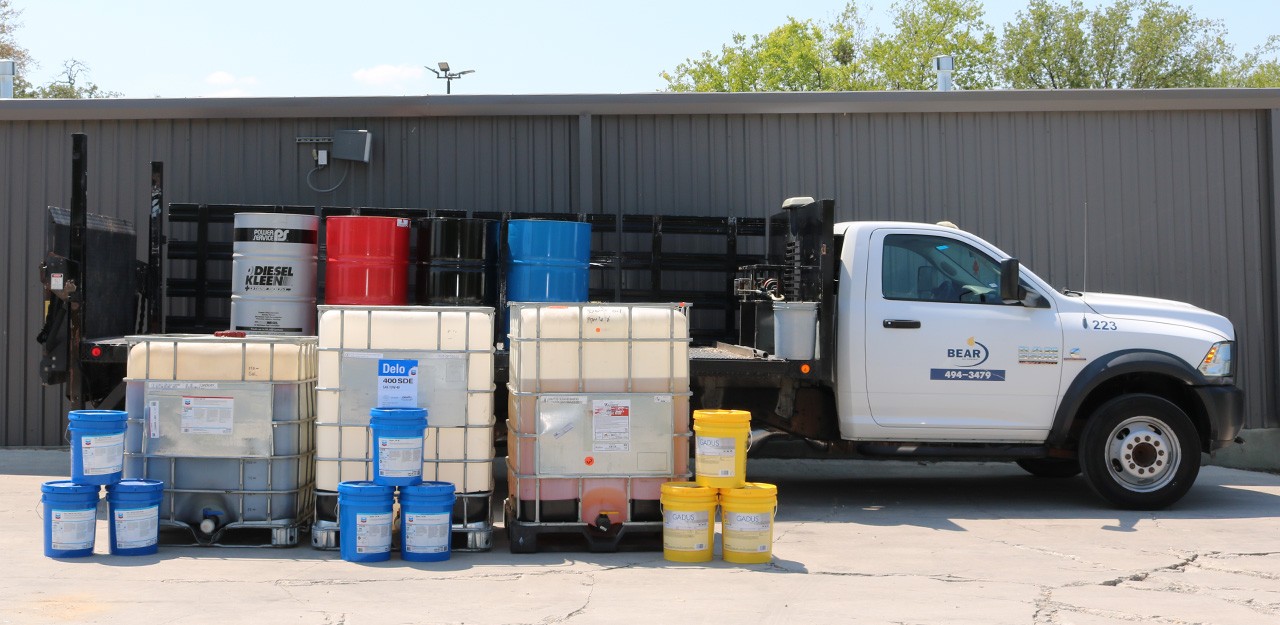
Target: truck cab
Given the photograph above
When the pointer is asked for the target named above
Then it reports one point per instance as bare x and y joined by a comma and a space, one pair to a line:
941, 345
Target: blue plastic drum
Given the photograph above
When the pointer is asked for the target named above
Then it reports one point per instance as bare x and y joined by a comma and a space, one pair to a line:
548, 261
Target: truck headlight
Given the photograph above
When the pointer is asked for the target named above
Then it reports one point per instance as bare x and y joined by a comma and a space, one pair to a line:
1217, 363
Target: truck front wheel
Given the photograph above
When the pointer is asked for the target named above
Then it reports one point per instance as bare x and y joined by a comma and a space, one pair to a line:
1140, 452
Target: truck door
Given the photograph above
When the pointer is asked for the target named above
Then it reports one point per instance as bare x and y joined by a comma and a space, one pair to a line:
943, 353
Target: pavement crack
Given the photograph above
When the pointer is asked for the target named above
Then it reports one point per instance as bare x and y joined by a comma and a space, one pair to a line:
1141, 576
1046, 610
591, 590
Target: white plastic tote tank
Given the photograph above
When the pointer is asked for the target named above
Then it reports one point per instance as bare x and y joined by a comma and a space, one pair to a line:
438, 358
598, 407
226, 423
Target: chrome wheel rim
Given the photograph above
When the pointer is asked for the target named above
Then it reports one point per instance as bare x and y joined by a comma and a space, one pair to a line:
1143, 454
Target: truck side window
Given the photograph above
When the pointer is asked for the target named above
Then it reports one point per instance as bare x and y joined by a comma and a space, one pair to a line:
938, 269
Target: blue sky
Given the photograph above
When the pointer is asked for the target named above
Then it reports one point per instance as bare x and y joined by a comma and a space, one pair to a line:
231, 48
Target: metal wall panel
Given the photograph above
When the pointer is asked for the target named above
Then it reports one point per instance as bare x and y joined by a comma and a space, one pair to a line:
1167, 203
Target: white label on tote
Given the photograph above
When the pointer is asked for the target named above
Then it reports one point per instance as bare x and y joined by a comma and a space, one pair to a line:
153, 419
137, 528
611, 425
208, 415
399, 457
373, 533
72, 529
427, 533
101, 455
397, 383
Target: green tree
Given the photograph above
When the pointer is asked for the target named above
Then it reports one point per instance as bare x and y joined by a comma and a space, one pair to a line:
925, 29
1131, 44
1048, 47
70, 83
9, 48
71, 86
800, 55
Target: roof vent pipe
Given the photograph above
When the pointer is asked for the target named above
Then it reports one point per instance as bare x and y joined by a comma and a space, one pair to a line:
944, 65
6, 78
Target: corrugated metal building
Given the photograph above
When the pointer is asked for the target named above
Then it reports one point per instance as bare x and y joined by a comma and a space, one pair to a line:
1168, 193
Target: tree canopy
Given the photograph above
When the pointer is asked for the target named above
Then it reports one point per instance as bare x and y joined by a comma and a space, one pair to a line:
1128, 44
71, 82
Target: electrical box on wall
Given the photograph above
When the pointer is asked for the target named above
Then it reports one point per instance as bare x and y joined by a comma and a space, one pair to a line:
352, 145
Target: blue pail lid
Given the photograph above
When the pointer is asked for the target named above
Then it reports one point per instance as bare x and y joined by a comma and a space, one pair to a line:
406, 413
67, 487
365, 488
136, 486
98, 415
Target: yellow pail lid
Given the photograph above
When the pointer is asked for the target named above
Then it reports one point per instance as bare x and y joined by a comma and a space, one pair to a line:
690, 490
750, 490
727, 417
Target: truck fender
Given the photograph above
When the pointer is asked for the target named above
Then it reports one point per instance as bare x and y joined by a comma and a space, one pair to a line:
1111, 366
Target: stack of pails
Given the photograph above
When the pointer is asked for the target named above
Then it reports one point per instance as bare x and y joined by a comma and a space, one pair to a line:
70, 506
273, 268
366, 509
548, 261
367, 261
747, 509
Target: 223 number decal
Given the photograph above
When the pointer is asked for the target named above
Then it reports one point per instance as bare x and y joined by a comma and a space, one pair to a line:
1104, 325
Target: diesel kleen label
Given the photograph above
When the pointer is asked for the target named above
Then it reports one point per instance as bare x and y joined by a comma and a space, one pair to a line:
269, 278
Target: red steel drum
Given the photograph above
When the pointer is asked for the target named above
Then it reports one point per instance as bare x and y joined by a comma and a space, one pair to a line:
368, 261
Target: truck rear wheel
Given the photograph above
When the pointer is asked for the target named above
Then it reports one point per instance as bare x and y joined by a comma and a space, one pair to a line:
1050, 467
1140, 452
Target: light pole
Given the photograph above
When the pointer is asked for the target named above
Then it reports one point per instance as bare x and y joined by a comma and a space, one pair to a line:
447, 75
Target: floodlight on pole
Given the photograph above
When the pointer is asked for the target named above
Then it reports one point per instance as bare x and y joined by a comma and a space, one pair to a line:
446, 74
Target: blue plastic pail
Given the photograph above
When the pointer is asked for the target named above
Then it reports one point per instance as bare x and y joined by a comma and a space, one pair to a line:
70, 513
134, 507
397, 445
426, 527
97, 446
364, 521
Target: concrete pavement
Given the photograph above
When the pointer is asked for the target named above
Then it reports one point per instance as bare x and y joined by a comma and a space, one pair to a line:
856, 542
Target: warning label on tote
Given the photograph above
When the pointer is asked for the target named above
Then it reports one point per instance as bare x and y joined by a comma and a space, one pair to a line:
611, 425
208, 415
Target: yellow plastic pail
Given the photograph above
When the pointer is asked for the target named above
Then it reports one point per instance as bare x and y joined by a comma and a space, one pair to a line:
688, 521
721, 447
746, 519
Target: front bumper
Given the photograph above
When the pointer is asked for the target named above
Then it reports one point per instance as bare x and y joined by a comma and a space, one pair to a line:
1224, 407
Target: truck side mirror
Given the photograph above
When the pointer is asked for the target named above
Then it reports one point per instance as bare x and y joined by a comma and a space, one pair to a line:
1011, 291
